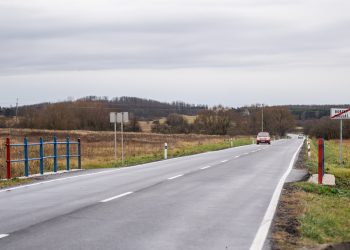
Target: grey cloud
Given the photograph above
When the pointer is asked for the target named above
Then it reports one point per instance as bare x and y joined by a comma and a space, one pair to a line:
31, 41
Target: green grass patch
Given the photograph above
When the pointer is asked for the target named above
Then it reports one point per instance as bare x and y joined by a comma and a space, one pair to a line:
323, 190
13, 182
326, 210
326, 215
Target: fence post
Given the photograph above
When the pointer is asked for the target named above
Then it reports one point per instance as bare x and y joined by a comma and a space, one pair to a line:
55, 154
79, 153
41, 156
67, 154
8, 158
320, 159
26, 161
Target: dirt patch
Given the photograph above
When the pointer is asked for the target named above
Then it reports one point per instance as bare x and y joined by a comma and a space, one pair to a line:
300, 163
285, 228
343, 246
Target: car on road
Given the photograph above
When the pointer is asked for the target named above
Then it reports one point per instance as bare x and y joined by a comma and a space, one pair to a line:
263, 137
300, 136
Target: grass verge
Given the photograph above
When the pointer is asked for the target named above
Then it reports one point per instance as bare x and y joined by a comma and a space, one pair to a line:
178, 152
320, 214
13, 182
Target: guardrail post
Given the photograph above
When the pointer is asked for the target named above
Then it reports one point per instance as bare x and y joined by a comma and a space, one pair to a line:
55, 154
79, 153
67, 154
26, 161
41, 156
320, 159
8, 158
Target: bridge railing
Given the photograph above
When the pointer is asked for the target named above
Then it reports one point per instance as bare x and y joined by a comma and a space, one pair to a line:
41, 157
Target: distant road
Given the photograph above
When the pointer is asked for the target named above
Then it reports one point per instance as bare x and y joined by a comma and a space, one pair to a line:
216, 200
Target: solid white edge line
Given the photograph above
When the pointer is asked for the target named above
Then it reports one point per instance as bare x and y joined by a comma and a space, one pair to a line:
265, 225
3, 235
56, 180
116, 197
205, 167
174, 177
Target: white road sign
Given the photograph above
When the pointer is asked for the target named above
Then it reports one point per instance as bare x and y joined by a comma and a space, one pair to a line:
125, 117
113, 117
119, 117
340, 113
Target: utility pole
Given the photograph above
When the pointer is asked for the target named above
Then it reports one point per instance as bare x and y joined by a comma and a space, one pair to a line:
16, 110
262, 118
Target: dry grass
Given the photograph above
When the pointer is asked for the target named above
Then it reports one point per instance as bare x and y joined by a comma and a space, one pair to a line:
146, 126
98, 147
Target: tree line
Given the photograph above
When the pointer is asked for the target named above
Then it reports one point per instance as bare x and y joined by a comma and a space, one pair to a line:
92, 113
223, 121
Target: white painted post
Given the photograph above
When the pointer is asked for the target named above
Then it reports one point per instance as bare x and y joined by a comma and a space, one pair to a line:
231, 143
165, 151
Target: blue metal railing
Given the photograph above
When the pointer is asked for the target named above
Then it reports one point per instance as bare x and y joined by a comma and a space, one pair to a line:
42, 156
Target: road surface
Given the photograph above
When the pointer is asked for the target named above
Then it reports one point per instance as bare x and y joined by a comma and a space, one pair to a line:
216, 200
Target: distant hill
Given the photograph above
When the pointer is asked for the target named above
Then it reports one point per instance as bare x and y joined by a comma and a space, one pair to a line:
143, 109
92, 112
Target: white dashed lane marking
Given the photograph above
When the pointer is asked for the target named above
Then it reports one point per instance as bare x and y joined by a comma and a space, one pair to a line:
205, 167
116, 197
174, 177
3, 236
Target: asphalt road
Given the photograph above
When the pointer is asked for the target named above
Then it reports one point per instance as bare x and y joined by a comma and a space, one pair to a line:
216, 200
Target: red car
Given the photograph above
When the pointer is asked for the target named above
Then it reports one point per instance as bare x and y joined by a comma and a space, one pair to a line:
263, 137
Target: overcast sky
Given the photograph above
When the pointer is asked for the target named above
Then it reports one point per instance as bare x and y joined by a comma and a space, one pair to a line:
230, 52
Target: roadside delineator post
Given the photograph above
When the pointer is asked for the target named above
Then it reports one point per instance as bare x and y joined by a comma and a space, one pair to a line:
165, 151
8, 158
320, 161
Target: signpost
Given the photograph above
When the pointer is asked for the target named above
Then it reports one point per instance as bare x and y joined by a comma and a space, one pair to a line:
340, 114
113, 119
121, 118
